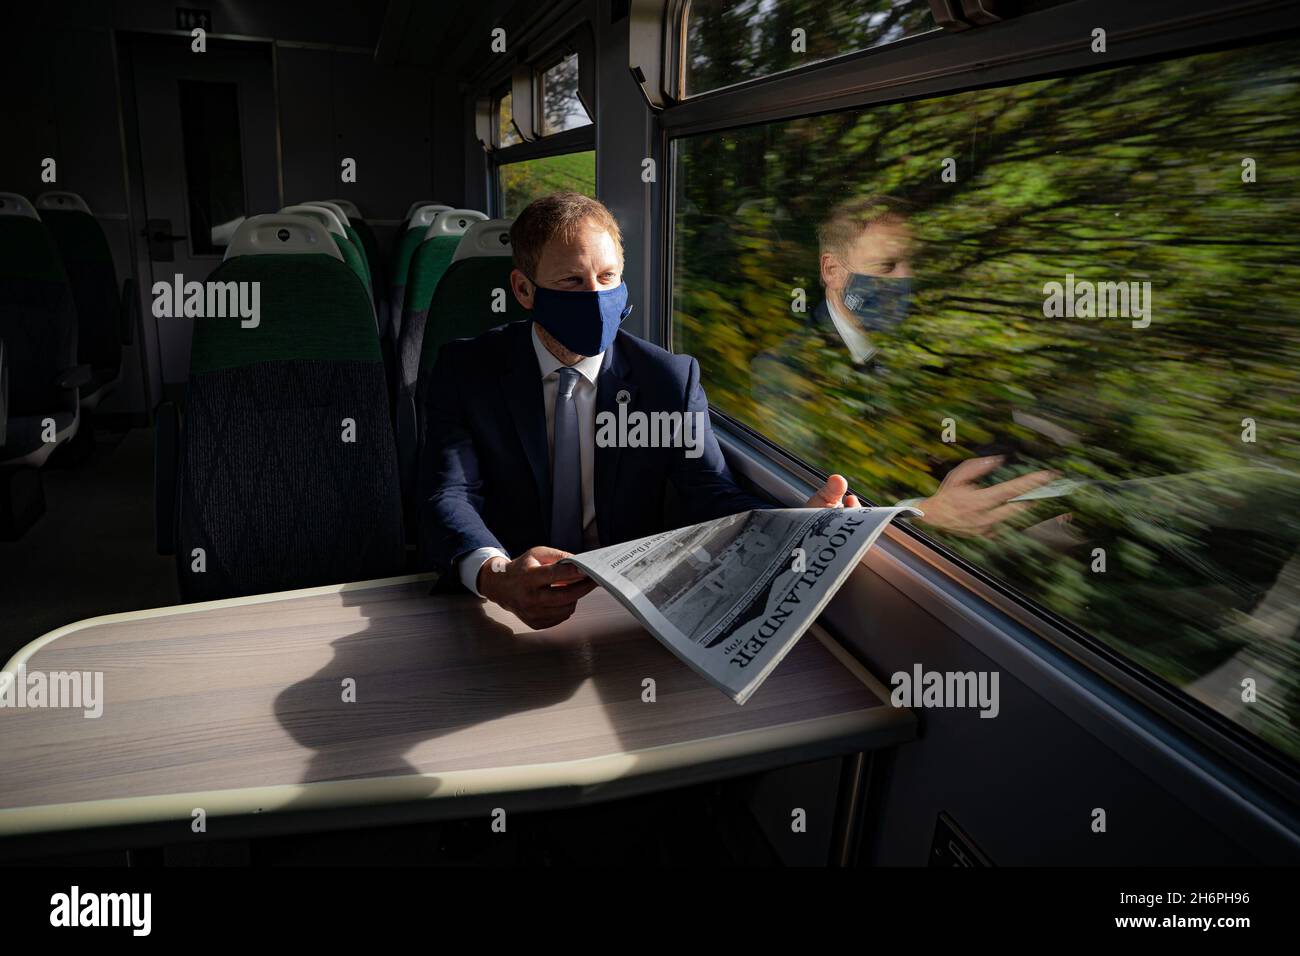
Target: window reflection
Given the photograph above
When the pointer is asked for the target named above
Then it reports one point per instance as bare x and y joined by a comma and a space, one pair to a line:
728, 42
877, 291
561, 107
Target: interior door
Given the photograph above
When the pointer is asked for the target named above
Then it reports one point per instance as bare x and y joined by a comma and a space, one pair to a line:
207, 144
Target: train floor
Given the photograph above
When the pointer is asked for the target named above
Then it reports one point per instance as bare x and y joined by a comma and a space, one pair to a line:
92, 552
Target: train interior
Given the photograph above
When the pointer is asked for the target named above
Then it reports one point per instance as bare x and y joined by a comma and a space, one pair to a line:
384, 149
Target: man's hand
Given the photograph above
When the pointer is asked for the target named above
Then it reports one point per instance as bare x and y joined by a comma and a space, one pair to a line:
831, 495
540, 592
962, 507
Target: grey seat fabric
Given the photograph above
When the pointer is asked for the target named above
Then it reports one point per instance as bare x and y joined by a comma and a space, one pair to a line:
38, 323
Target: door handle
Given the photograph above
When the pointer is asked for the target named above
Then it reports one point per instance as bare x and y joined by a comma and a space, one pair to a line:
161, 239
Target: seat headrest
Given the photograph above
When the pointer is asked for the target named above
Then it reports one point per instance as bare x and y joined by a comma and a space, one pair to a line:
222, 232
423, 202
332, 206
488, 237
61, 199
453, 222
12, 204
321, 214
280, 233
423, 215
348, 207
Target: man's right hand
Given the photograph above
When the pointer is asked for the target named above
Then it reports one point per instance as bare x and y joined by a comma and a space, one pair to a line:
536, 589
962, 507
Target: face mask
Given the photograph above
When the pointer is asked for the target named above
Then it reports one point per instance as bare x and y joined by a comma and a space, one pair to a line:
584, 322
880, 303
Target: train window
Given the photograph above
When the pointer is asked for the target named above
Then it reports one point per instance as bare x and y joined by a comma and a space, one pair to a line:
561, 107
729, 42
214, 165
531, 179
1086, 286
507, 135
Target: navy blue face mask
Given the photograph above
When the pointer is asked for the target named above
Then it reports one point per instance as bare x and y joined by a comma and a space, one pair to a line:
583, 321
879, 302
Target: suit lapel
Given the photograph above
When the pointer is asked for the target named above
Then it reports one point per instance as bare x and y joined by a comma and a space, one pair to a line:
521, 383
611, 384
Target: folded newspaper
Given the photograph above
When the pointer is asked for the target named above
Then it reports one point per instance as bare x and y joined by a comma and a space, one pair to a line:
730, 597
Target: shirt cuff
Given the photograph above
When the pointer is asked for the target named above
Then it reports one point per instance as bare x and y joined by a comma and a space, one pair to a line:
469, 566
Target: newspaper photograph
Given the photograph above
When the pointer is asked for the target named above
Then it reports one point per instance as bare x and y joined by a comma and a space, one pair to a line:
730, 597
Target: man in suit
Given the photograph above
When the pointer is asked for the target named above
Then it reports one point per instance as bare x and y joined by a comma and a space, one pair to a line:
514, 475
865, 265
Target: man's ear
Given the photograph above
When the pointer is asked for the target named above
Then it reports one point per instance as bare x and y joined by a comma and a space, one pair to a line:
522, 288
834, 275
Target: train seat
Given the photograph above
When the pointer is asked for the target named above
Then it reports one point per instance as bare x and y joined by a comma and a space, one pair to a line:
38, 323
88, 261
38, 329
350, 250
350, 229
285, 467
417, 223
428, 265
472, 296
369, 245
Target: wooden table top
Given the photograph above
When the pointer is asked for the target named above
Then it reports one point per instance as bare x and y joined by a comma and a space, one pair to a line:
238, 707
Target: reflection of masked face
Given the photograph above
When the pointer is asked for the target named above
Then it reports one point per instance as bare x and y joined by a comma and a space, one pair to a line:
880, 303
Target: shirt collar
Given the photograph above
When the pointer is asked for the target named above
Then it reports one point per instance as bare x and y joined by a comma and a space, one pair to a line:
858, 342
588, 368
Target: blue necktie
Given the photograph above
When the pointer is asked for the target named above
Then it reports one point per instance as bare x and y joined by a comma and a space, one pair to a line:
566, 471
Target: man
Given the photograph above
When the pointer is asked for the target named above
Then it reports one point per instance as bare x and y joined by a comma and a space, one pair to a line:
512, 474
865, 248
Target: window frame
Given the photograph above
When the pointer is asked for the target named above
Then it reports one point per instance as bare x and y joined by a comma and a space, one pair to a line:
565, 33
1044, 44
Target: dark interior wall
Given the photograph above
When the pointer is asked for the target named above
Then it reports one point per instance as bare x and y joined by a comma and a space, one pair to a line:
1024, 785
336, 104
334, 101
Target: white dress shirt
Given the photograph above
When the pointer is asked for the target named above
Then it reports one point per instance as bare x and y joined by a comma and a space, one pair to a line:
851, 332
584, 393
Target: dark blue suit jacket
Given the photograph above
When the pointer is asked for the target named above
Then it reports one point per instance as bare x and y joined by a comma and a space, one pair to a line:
485, 476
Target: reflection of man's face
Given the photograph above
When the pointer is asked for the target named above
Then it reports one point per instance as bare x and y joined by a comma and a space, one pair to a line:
883, 249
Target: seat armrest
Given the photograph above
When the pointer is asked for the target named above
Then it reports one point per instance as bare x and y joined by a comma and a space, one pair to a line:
74, 377
166, 475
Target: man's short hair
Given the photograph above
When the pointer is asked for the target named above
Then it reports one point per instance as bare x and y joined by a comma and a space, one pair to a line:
850, 219
557, 215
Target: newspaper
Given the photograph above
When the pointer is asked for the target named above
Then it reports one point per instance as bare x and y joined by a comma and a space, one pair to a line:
730, 597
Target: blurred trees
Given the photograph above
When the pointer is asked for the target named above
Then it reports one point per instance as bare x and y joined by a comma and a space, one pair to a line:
1125, 175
